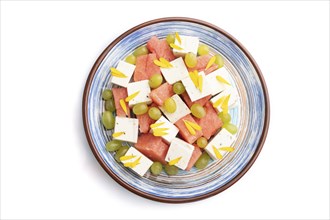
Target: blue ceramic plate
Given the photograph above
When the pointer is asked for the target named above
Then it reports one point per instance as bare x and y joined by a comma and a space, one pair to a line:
251, 114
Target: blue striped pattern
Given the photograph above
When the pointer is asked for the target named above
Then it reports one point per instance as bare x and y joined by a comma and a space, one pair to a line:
248, 114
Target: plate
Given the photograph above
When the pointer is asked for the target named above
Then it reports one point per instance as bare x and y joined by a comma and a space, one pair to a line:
251, 113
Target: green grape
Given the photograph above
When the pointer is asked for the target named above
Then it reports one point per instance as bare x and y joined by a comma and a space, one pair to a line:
131, 59
219, 60
170, 38
143, 50
113, 145
108, 120
203, 50
225, 118
155, 80
230, 127
121, 152
140, 109
107, 94
191, 60
156, 168
197, 110
171, 169
170, 105
202, 142
154, 113
202, 161
178, 88
109, 105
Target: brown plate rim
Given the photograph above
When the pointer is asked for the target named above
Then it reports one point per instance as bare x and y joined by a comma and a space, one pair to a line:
126, 185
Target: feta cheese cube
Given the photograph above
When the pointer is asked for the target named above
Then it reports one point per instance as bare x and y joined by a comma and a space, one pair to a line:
143, 89
125, 68
215, 85
181, 152
188, 44
176, 73
232, 100
181, 110
127, 128
171, 131
194, 92
136, 161
221, 141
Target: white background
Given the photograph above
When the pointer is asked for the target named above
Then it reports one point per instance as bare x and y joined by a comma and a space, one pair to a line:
47, 168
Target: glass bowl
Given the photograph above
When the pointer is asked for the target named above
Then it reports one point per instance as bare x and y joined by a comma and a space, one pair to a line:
250, 114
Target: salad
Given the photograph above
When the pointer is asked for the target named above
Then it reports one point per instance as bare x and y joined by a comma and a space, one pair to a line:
170, 100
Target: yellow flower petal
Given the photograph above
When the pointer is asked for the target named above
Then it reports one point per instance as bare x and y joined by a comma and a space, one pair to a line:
217, 153
219, 102
228, 149
200, 83
117, 134
130, 97
174, 46
166, 62
177, 36
222, 80
189, 128
159, 133
194, 125
159, 129
174, 161
224, 104
133, 164
210, 63
157, 124
123, 105
126, 157
160, 64
193, 78
117, 73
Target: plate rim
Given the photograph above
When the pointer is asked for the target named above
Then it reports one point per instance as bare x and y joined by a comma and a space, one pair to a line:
135, 190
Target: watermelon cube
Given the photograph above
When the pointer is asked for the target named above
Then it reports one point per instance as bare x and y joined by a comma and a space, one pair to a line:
151, 67
202, 62
160, 48
145, 67
120, 93
140, 68
152, 147
145, 121
183, 131
194, 157
162, 93
210, 123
